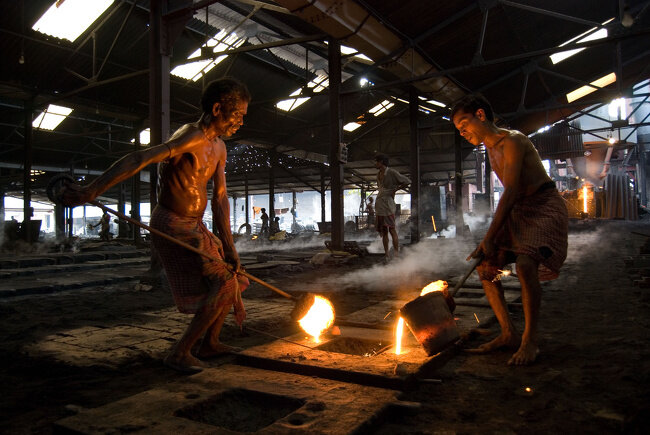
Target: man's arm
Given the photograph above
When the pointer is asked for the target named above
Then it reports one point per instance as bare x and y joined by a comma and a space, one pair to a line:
513, 158
221, 212
129, 165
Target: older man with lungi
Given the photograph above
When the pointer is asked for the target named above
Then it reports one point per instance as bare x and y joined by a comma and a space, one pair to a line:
389, 181
529, 227
193, 155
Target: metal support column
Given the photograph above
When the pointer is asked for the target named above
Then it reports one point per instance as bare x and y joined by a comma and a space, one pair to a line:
458, 185
159, 56
336, 168
415, 165
294, 208
248, 206
59, 221
121, 205
274, 162
234, 213
27, 172
322, 194
488, 181
2, 211
135, 191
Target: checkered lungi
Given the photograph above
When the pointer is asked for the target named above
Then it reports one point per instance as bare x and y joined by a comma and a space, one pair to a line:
537, 227
192, 276
385, 223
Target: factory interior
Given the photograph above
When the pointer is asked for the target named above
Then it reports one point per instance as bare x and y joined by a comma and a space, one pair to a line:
343, 332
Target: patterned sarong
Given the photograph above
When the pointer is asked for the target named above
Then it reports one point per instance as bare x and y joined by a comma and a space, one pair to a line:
192, 276
537, 227
385, 223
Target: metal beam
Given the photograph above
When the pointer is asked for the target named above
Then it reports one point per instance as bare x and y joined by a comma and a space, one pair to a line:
529, 55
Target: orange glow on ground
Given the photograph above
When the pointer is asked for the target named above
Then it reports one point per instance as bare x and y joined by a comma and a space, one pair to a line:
435, 286
318, 319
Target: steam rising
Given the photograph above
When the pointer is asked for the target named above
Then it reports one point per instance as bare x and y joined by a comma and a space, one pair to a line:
417, 265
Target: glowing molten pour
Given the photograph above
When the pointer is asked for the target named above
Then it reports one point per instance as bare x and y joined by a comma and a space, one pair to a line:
319, 317
435, 286
398, 336
584, 198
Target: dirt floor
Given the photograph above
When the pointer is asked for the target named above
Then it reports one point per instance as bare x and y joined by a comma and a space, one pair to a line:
591, 377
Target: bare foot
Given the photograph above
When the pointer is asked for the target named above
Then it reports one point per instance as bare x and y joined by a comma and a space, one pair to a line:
185, 363
527, 354
211, 351
500, 342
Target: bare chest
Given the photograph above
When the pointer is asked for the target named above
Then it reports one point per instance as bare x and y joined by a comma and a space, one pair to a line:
496, 161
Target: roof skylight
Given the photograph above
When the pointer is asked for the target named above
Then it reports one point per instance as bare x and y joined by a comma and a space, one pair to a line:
351, 126
70, 18
318, 84
590, 35
381, 107
585, 90
195, 70
51, 117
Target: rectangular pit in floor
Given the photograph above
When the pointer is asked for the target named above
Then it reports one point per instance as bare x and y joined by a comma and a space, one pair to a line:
236, 399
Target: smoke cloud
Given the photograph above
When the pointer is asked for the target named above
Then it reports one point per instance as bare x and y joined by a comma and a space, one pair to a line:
417, 266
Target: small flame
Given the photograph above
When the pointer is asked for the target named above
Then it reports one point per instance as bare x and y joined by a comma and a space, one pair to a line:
318, 319
502, 273
398, 336
435, 286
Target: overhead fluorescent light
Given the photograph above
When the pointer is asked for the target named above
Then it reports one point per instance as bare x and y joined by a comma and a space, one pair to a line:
585, 90
51, 117
195, 70
351, 126
590, 35
70, 18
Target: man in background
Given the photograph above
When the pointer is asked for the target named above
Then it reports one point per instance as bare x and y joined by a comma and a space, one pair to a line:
389, 181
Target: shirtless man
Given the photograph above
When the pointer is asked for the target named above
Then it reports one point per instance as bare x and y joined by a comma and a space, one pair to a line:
529, 226
389, 181
192, 156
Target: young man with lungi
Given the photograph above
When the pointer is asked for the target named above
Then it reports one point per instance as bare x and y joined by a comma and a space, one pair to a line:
389, 181
529, 227
193, 155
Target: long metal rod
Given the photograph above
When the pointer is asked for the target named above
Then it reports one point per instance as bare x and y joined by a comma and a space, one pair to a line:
190, 247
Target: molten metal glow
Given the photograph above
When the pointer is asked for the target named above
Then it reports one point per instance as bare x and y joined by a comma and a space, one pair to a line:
585, 192
435, 286
398, 336
502, 273
433, 221
318, 319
